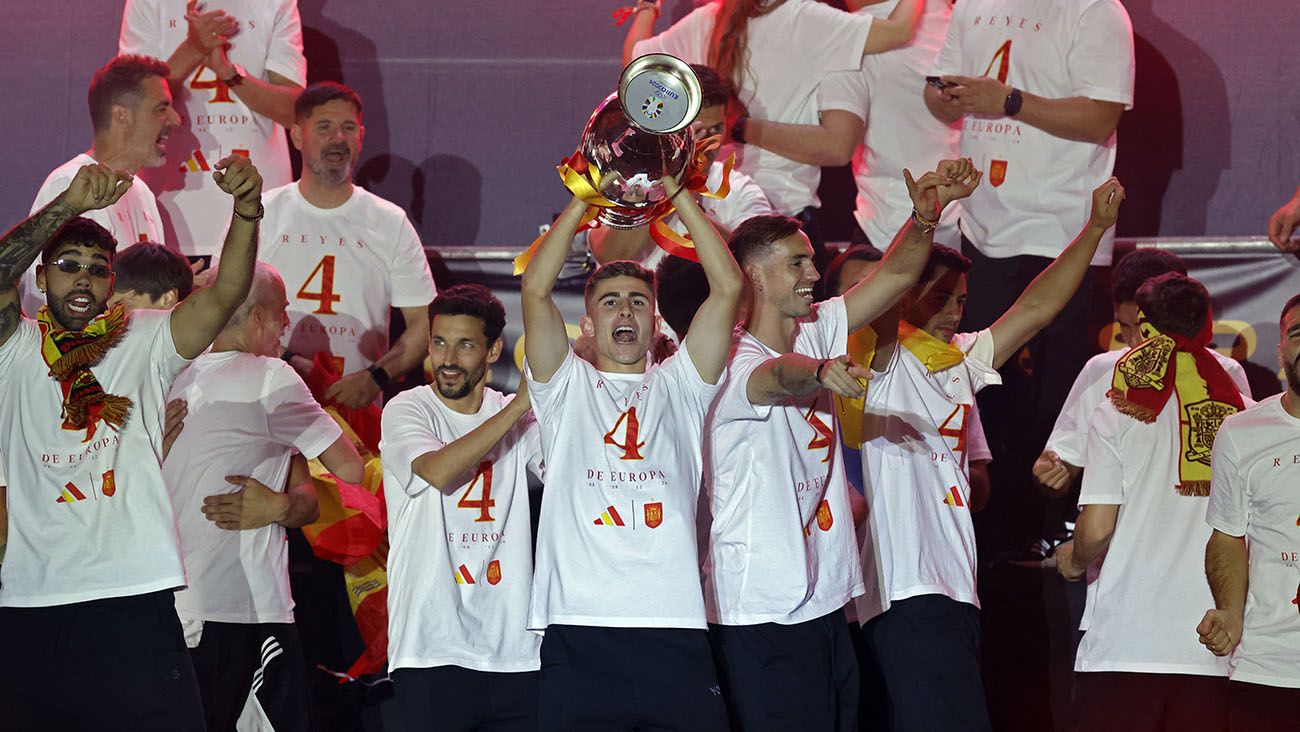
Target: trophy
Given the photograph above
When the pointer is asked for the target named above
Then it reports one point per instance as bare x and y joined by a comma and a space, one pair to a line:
640, 136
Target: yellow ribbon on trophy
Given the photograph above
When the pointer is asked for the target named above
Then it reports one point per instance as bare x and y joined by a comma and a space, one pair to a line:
579, 177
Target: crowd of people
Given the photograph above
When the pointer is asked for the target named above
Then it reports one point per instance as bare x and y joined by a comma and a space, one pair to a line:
759, 466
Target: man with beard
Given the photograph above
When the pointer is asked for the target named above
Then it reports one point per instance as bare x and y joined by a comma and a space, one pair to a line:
131, 114
86, 590
460, 565
346, 255
782, 554
617, 584
237, 484
1254, 503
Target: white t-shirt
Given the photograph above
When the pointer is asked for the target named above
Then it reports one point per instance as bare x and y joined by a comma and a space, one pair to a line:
790, 49
616, 540
343, 268
133, 219
1037, 189
88, 519
1253, 493
919, 538
782, 545
887, 93
1156, 557
1069, 436
459, 570
745, 200
216, 122
247, 416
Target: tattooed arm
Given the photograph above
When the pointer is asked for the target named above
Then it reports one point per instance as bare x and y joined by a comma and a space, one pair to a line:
95, 186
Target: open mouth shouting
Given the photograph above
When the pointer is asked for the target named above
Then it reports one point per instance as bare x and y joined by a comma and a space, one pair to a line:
336, 154
624, 334
79, 304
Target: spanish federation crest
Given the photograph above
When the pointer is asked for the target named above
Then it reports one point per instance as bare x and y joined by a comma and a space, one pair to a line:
824, 518
1144, 367
654, 514
494, 572
1203, 421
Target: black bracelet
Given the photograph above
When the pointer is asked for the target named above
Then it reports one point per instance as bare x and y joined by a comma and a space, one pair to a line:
261, 211
818, 372
287, 357
379, 375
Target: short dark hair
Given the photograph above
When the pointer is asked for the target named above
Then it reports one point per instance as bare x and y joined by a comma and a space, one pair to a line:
683, 288
118, 82
475, 301
830, 282
617, 268
152, 269
757, 235
714, 92
942, 256
82, 231
323, 92
1137, 267
1174, 303
1294, 301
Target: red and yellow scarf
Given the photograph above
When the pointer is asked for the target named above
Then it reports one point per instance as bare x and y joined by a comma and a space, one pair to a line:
1167, 364
70, 354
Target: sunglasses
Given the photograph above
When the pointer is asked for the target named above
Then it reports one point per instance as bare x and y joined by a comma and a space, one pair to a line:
67, 266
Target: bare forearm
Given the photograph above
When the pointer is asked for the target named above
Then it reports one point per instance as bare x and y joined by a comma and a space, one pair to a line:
22, 244
300, 506
1092, 533
238, 255
450, 466
184, 60
1227, 571
409, 350
896, 30
269, 100
1073, 118
641, 28
898, 272
811, 144
539, 278
1054, 286
788, 375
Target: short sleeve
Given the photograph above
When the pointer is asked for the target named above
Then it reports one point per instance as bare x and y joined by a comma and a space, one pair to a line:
687, 39
407, 434
285, 56
846, 91
1103, 481
530, 441
409, 277
547, 396
140, 32
687, 377
980, 350
829, 39
293, 416
733, 400
977, 445
1238, 376
1101, 61
745, 201
156, 326
1229, 509
1069, 436
948, 62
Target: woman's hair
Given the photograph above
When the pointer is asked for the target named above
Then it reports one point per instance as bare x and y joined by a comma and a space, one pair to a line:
728, 52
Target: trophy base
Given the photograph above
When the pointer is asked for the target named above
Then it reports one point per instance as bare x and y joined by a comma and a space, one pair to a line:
626, 218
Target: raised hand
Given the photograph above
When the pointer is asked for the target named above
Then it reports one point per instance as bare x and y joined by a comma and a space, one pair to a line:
208, 29
1105, 203
1220, 631
843, 377
963, 180
236, 175
96, 186
1283, 222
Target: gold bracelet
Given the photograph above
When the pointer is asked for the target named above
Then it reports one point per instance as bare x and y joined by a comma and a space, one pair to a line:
261, 211
923, 222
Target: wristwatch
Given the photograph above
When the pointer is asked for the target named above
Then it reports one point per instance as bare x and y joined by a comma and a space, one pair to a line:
1011, 107
237, 78
379, 375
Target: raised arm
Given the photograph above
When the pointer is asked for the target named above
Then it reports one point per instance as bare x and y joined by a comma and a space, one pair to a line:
897, 30
545, 341
451, 466
795, 375
642, 27
1228, 571
829, 142
198, 320
709, 337
94, 186
206, 31
907, 254
1054, 286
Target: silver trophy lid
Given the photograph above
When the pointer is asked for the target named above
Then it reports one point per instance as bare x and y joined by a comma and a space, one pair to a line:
659, 93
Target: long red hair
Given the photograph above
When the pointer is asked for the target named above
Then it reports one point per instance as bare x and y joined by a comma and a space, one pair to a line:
728, 52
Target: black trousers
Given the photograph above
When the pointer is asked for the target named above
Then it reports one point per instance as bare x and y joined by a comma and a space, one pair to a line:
455, 699
1136, 702
258, 666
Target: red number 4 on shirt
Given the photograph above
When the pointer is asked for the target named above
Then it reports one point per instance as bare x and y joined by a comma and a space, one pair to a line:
325, 295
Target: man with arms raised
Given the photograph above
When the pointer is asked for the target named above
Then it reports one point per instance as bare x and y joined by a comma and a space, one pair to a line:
616, 587
918, 552
93, 557
1143, 505
460, 561
237, 484
132, 116
1254, 504
782, 554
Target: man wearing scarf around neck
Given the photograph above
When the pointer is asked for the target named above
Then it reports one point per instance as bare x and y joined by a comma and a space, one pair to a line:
918, 548
86, 607
1143, 502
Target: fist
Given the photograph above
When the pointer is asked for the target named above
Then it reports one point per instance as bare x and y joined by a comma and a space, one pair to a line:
96, 186
1051, 471
1220, 631
1105, 203
238, 176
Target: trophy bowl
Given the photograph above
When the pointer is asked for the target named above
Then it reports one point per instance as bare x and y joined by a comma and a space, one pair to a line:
639, 136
